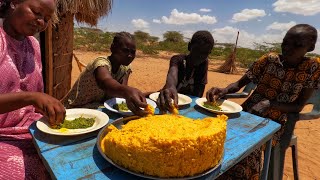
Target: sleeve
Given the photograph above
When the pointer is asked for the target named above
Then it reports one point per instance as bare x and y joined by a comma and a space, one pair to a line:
128, 70
314, 80
177, 59
100, 61
257, 68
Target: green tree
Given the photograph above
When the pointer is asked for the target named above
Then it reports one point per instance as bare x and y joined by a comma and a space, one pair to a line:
173, 36
145, 38
141, 36
153, 39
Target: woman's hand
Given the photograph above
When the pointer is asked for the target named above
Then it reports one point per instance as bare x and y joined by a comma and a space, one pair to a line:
49, 107
215, 93
165, 98
135, 100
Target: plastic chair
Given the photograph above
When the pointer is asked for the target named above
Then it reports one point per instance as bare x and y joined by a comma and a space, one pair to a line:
315, 112
294, 149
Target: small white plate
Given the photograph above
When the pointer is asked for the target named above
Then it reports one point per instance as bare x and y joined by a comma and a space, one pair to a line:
182, 99
101, 119
227, 107
111, 102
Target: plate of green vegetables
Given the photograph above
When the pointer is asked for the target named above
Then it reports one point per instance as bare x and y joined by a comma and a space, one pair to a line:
221, 106
119, 105
77, 121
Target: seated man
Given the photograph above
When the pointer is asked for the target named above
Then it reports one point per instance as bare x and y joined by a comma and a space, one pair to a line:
187, 72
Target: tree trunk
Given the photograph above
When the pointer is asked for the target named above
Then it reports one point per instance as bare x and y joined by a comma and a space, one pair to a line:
62, 49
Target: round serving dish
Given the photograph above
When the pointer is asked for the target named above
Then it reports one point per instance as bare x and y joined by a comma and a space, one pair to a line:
213, 172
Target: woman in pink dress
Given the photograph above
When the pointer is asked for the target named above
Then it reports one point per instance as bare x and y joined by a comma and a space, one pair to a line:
21, 86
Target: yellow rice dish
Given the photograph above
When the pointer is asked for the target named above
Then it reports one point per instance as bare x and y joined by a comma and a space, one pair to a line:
167, 145
150, 110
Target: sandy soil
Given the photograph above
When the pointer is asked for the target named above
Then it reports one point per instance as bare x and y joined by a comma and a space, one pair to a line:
149, 74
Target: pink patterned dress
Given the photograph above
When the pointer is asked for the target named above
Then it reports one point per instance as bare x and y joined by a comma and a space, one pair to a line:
20, 70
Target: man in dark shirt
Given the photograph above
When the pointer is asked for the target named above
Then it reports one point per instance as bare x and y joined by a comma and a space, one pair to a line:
187, 72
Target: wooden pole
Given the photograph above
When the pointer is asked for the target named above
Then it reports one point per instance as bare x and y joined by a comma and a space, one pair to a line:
48, 60
62, 50
235, 47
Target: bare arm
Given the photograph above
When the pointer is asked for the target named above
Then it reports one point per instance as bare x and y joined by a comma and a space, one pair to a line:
45, 104
216, 93
236, 86
13, 101
108, 84
134, 98
169, 91
172, 77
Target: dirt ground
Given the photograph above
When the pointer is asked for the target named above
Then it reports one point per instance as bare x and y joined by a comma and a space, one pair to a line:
149, 74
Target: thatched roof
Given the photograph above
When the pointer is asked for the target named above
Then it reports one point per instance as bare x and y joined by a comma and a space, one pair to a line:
87, 11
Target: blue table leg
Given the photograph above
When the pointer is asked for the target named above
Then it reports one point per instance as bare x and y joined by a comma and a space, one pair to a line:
267, 154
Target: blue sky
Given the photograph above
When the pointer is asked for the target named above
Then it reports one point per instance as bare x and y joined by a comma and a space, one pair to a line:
257, 20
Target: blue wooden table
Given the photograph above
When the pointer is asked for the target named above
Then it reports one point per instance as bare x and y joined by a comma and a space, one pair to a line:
77, 157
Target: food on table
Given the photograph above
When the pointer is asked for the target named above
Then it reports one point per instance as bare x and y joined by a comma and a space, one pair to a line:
121, 106
150, 110
167, 145
212, 105
174, 110
77, 123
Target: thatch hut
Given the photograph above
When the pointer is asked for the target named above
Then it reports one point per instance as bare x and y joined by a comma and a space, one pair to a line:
229, 65
57, 41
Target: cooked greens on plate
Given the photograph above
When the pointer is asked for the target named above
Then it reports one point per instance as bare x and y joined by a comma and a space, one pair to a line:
77, 123
121, 106
212, 105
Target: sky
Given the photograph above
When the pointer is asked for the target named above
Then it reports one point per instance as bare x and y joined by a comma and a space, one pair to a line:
257, 21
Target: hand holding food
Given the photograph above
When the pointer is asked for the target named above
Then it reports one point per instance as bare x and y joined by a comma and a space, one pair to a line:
150, 110
216, 93
165, 99
174, 110
135, 101
49, 107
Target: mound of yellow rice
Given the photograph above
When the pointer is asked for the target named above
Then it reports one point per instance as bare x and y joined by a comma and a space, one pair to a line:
167, 145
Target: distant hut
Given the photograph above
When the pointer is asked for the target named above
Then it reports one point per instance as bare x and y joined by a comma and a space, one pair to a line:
57, 41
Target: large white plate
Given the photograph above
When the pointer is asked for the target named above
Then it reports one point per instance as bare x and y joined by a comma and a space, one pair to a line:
227, 107
111, 102
101, 119
182, 99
